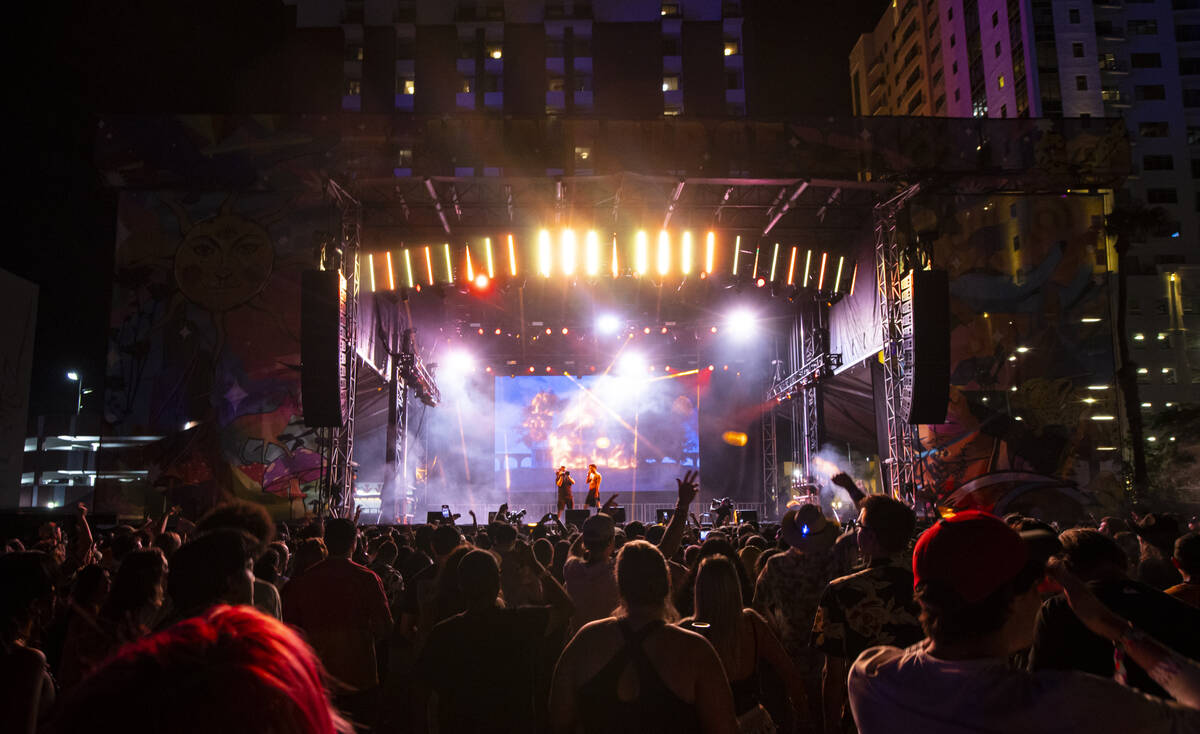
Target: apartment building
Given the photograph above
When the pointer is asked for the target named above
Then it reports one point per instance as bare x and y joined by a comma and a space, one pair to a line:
620, 58
1138, 60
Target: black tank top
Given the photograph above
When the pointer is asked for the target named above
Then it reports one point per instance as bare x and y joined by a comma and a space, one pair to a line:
656, 709
747, 692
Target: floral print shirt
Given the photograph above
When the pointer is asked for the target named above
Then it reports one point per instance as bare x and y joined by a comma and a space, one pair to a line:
872, 607
787, 593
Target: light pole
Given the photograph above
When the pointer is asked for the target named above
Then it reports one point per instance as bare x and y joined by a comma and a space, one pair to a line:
75, 377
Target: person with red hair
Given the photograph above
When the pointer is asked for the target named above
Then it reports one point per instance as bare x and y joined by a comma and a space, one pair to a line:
230, 670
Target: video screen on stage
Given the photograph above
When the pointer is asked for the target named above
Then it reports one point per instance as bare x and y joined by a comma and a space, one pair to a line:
639, 432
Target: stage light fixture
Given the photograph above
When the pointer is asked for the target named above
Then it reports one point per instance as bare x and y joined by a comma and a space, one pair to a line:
487, 250
591, 253
641, 261
544, 254
713, 330
664, 253
496, 332
531, 370
737, 251
741, 323
807, 266
407, 268
608, 324
615, 268
792, 267
449, 266
566, 331
711, 367
760, 282
754, 271
481, 281
548, 332
512, 257
837, 282
631, 363
710, 251
685, 262
390, 271
821, 276
429, 264
774, 261
663, 330
646, 330
458, 362
371, 269
567, 244
470, 266
854, 279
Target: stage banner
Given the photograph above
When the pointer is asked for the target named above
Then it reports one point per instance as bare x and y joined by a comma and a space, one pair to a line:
856, 321
18, 301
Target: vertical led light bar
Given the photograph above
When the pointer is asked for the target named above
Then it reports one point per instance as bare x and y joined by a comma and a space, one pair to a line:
544, 255
371, 268
737, 251
512, 257
568, 251
487, 248
792, 268
807, 267
664, 253
774, 260
470, 267
429, 264
616, 268
837, 282
853, 278
591, 253
685, 257
641, 260
710, 251
407, 267
449, 266
821, 277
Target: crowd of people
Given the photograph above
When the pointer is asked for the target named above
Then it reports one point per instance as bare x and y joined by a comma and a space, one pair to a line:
973, 623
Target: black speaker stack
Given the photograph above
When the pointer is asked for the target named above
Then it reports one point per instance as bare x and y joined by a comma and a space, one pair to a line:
925, 335
323, 388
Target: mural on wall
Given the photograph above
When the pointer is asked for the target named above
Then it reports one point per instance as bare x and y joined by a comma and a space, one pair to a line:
1031, 376
205, 345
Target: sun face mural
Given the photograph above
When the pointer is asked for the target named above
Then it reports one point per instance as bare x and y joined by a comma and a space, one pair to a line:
205, 335
223, 262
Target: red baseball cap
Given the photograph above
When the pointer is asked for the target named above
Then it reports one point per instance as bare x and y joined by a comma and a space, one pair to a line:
973, 552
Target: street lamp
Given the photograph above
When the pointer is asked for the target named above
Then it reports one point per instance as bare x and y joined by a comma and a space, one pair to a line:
74, 376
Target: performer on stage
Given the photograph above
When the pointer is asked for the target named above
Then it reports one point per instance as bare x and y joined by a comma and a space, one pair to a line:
722, 509
593, 484
563, 482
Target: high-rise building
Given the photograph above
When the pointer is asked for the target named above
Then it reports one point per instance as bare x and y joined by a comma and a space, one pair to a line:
628, 58
1134, 59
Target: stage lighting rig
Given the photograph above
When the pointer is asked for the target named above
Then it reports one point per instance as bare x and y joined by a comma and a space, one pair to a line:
415, 373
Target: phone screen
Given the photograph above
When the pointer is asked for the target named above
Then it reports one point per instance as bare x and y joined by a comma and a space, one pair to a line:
446, 511
704, 534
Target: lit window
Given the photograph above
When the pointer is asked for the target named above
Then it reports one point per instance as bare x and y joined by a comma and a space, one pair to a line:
495, 51
1000, 81
731, 47
409, 86
583, 155
670, 83
670, 10
353, 87
556, 84
464, 85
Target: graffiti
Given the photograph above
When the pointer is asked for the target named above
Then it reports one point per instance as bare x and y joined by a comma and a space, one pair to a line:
1024, 272
205, 328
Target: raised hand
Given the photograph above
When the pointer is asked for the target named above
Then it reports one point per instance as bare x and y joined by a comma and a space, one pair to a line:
688, 487
81, 509
842, 479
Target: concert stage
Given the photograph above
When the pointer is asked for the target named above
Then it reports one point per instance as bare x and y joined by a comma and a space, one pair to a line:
728, 295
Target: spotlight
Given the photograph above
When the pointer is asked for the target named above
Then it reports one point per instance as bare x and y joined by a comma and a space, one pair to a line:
496, 332
741, 323
608, 324
713, 330
646, 330
664, 330
631, 363
481, 281
760, 282
458, 362
566, 331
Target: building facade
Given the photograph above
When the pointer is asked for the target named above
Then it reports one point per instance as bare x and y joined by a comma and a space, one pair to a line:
618, 58
1138, 60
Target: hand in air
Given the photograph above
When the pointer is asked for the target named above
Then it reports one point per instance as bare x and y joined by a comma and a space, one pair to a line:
688, 487
842, 479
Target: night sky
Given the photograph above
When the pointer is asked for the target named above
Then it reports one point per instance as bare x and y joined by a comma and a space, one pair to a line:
81, 59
